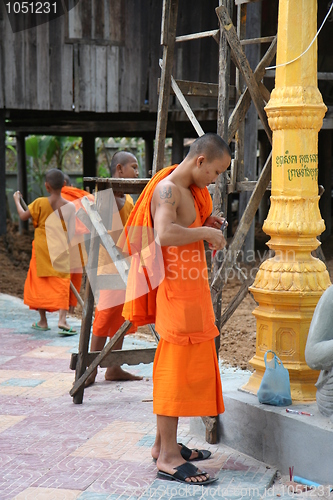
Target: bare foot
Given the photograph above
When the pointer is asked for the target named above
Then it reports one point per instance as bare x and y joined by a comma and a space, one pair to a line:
170, 468
155, 451
116, 373
91, 379
66, 327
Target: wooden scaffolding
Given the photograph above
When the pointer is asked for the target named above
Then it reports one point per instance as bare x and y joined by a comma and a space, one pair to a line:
231, 44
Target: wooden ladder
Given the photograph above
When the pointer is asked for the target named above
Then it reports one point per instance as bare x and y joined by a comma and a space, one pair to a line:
83, 362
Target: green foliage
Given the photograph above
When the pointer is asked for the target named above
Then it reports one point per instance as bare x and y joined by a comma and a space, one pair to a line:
42, 150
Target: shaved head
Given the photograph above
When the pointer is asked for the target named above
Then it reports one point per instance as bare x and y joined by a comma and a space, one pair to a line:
55, 178
67, 180
210, 145
122, 158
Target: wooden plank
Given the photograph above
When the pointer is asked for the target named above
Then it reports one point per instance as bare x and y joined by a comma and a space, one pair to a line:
163, 100
130, 77
244, 102
196, 36
86, 18
79, 383
250, 41
9, 58
19, 70
43, 67
30, 50
130, 357
84, 77
198, 89
93, 78
243, 66
117, 21
74, 19
67, 97
101, 82
76, 77
112, 71
99, 19
89, 154
186, 107
87, 314
154, 12
56, 28
130, 186
243, 226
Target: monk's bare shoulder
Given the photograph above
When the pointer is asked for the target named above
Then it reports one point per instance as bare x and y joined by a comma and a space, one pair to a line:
166, 196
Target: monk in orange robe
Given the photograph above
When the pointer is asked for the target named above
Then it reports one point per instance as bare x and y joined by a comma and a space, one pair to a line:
186, 377
46, 287
108, 318
74, 194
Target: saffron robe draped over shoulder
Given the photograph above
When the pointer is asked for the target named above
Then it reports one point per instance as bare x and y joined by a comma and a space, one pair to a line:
142, 310
109, 319
44, 288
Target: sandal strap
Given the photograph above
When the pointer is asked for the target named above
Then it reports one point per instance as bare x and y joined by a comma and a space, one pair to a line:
187, 470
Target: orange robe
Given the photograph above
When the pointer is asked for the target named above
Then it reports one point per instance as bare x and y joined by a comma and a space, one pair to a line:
108, 319
71, 193
186, 373
44, 288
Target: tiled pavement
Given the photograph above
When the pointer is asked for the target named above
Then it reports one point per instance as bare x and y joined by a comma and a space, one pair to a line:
51, 448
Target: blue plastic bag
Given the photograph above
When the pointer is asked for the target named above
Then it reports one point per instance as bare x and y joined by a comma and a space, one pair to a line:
275, 385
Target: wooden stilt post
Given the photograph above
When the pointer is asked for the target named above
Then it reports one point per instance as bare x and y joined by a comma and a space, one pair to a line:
89, 155
3, 211
22, 184
149, 154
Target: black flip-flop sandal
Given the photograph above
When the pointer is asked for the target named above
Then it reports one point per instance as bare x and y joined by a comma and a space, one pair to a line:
187, 452
185, 471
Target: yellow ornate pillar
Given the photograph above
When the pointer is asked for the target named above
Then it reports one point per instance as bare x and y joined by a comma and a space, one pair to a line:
289, 285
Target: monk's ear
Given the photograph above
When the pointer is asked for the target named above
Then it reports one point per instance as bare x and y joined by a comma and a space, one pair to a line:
200, 160
119, 169
47, 186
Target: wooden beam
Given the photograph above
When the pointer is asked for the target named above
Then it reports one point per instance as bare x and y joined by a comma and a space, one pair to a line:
130, 357
79, 383
89, 155
236, 300
198, 89
169, 24
264, 39
186, 107
196, 36
243, 66
129, 186
244, 101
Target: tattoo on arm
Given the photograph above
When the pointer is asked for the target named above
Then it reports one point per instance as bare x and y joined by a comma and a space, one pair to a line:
165, 194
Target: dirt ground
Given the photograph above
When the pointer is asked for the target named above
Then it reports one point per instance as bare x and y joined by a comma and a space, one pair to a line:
238, 338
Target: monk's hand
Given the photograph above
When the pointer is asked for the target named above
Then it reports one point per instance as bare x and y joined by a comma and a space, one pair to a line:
214, 221
17, 196
215, 238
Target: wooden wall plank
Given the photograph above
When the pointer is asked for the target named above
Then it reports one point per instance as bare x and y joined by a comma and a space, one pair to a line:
86, 17
67, 76
100, 89
98, 19
93, 76
84, 77
30, 51
56, 40
2, 62
130, 60
10, 67
117, 20
43, 67
155, 51
112, 79
74, 20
